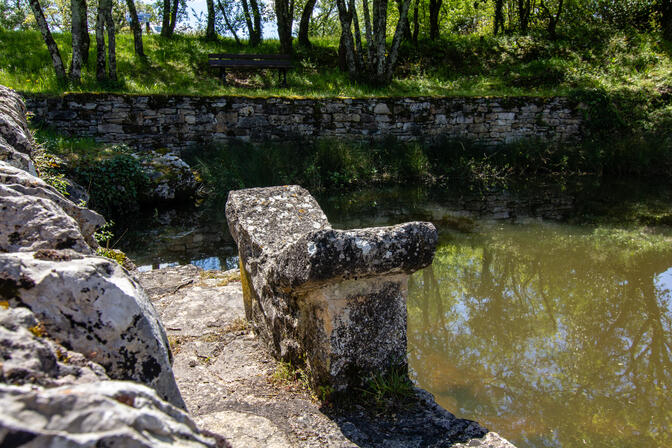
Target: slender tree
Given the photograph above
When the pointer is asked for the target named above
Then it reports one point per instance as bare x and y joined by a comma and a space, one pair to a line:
408, 35
75, 73
304, 24
169, 20
380, 64
553, 18
346, 47
524, 10
210, 33
416, 21
111, 44
253, 21
48, 39
165, 20
137, 29
284, 14
104, 21
665, 9
227, 22
84, 29
434, 12
499, 17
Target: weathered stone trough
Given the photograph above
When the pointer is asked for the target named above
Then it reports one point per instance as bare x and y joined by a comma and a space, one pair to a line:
334, 299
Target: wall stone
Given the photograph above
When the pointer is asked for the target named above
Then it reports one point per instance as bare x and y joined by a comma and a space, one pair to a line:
176, 122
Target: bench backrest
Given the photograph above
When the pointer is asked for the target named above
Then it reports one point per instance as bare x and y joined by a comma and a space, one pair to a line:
268, 57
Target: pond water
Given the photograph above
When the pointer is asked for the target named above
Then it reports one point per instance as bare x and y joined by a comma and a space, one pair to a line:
552, 334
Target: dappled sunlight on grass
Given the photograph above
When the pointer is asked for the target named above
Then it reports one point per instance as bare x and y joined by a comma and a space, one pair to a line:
456, 65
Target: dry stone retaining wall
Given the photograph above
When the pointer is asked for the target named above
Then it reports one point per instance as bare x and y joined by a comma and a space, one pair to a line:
175, 122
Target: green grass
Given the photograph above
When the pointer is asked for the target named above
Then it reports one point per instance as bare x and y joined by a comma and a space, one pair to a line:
469, 65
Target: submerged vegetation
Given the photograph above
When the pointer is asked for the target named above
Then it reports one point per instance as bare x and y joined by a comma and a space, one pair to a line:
328, 165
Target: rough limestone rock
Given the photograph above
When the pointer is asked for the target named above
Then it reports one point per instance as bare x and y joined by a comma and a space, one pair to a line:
92, 306
29, 357
35, 216
103, 414
16, 141
170, 177
336, 297
250, 406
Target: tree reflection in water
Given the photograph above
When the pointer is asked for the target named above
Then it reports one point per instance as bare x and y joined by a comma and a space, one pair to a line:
550, 335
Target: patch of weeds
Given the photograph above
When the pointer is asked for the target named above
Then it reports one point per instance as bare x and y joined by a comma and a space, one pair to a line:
290, 377
112, 254
238, 324
206, 275
390, 390
222, 278
324, 393
103, 236
230, 278
51, 170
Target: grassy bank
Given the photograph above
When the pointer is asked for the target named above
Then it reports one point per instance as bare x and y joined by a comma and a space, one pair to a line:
599, 59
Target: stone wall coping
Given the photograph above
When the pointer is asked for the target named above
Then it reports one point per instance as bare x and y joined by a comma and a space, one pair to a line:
99, 95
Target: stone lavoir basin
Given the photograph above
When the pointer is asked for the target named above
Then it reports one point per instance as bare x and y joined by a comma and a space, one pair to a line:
552, 335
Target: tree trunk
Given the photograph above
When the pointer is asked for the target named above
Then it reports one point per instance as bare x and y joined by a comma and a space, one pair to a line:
367, 29
137, 29
84, 40
256, 16
358, 37
524, 8
416, 22
165, 23
173, 17
100, 41
75, 73
346, 43
407, 29
248, 22
434, 11
210, 28
284, 13
553, 19
253, 28
111, 42
379, 36
499, 17
228, 23
666, 18
396, 41
48, 39
104, 21
304, 24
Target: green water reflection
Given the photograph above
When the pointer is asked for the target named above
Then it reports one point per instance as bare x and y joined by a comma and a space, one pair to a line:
549, 334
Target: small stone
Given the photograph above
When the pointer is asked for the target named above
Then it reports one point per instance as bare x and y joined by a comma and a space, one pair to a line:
381, 108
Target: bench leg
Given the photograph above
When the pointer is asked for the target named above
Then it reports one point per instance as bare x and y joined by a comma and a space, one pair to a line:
222, 74
284, 76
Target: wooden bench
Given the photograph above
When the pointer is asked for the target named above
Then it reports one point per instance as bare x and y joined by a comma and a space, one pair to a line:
280, 62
